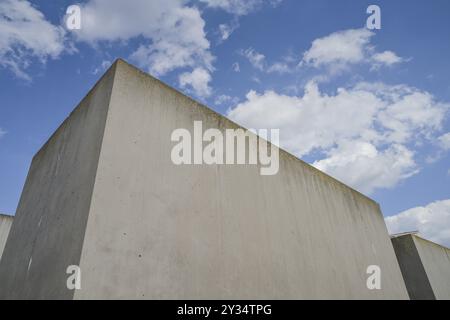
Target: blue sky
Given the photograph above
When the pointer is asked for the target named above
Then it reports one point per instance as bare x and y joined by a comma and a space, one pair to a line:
368, 107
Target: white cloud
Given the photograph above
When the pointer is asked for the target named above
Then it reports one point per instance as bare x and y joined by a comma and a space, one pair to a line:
279, 67
2, 133
103, 66
335, 52
287, 64
227, 29
256, 79
444, 141
225, 99
111, 20
173, 32
239, 7
236, 67
256, 59
198, 80
25, 36
432, 222
363, 132
411, 112
341, 49
363, 165
387, 57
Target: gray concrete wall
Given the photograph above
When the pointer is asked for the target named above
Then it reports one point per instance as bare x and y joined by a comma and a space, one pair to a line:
425, 267
5, 226
156, 230
413, 271
436, 261
50, 221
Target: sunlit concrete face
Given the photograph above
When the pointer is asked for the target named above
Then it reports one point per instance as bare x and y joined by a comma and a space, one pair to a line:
147, 228
425, 267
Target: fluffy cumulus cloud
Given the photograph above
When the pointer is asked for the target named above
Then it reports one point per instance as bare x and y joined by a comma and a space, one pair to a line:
199, 80
335, 53
444, 141
25, 36
387, 58
172, 31
338, 48
432, 222
341, 49
365, 135
367, 167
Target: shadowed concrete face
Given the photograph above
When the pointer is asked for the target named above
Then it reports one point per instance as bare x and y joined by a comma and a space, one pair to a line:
425, 267
50, 221
143, 227
5, 226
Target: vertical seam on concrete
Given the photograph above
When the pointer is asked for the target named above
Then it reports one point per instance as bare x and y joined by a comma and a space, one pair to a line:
113, 69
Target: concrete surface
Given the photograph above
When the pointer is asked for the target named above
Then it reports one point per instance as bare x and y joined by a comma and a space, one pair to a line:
425, 267
5, 226
111, 201
50, 222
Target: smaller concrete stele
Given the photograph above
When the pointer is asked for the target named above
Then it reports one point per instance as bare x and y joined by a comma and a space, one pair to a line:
5, 226
425, 266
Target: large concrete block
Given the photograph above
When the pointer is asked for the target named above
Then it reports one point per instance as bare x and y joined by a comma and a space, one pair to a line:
5, 226
103, 194
425, 266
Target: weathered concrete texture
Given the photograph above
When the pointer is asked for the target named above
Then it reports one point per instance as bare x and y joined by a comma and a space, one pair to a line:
425, 267
50, 222
5, 226
154, 230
